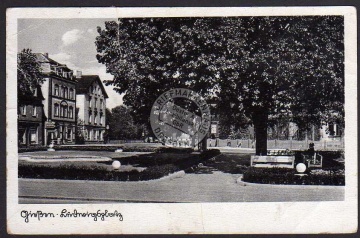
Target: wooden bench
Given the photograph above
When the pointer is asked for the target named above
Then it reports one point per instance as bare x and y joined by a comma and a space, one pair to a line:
271, 161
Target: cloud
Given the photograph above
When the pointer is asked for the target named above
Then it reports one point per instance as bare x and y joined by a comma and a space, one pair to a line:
90, 30
64, 58
70, 37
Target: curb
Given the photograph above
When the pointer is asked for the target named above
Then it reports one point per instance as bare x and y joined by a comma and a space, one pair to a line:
175, 175
242, 183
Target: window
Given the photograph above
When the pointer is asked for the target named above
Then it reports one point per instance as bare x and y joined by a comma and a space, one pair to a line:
71, 112
62, 91
91, 89
56, 109
69, 134
90, 134
66, 92
65, 111
33, 136
101, 119
90, 101
96, 102
34, 111
60, 132
34, 91
90, 116
101, 103
71, 93
56, 90
23, 110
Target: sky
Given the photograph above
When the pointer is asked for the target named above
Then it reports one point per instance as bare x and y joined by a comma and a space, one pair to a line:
70, 42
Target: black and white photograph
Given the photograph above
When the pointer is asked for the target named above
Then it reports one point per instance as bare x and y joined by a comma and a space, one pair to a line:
199, 117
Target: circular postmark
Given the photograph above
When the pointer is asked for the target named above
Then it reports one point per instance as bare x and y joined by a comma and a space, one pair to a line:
181, 117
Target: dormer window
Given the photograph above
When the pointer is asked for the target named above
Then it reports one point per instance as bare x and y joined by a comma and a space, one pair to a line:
34, 91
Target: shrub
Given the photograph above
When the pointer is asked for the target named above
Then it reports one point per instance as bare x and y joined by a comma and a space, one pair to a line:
32, 148
157, 166
177, 150
287, 176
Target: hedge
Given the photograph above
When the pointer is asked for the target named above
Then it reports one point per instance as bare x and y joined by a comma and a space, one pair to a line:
287, 176
125, 148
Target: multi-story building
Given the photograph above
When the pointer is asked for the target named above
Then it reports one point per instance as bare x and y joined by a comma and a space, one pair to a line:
31, 119
59, 91
91, 105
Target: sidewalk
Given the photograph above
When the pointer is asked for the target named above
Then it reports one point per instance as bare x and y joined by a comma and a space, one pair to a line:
216, 187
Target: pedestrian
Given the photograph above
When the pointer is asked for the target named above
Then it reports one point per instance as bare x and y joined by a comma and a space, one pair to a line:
239, 144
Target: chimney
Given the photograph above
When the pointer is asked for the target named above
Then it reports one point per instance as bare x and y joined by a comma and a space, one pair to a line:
78, 74
46, 55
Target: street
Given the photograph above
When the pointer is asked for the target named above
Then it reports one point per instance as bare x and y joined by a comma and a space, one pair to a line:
216, 187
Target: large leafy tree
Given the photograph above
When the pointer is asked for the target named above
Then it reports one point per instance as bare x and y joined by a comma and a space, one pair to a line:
255, 67
29, 75
122, 124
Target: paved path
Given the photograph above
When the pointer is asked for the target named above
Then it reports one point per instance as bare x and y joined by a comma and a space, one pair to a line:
216, 187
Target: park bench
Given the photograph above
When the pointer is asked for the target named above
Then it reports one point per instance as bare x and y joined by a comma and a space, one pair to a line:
314, 161
271, 161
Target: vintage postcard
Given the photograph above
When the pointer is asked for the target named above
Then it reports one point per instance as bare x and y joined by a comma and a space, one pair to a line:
181, 120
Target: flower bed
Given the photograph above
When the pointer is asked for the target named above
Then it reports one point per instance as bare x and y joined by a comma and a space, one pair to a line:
225, 162
156, 166
287, 176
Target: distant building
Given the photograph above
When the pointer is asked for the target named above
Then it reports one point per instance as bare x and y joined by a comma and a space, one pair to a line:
31, 119
59, 91
91, 105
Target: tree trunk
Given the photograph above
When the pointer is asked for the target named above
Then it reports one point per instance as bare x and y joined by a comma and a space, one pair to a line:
260, 120
204, 144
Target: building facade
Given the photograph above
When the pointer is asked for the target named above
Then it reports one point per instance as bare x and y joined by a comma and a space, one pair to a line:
59, 91
91, 105
31, 119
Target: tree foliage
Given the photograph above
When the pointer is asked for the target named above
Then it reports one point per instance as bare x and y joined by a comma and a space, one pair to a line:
29, 74
121, 124
255, 67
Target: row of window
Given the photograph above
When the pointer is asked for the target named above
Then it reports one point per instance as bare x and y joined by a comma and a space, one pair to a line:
63, 133
102, 105
32, 108
63, 111
94, 135
61, 72
101, 119
63, 91
95, 89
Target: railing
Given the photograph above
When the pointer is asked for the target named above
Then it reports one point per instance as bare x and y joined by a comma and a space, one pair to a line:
125, 141
279, 144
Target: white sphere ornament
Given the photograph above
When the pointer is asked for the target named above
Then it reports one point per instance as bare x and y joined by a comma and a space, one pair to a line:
116, 164
301, 167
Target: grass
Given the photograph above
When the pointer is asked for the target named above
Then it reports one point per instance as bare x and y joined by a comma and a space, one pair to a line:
225, 162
